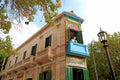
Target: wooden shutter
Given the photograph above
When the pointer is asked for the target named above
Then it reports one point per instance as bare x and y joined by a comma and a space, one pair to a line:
50, 40
69, 73
79, 37
49, 75
40, 76
86, 74
33, 52
24, 55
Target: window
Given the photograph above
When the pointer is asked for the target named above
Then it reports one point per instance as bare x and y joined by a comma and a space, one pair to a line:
74, 73
29, 79
77, 34
24, 55
33, 52
16, 58
48, 41
45, 75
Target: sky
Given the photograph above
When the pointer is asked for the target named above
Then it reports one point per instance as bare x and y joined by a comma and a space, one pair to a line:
96, 14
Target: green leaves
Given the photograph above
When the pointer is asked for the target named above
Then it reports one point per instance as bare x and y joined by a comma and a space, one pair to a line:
4, 24
28, 8
101, 59
5, 48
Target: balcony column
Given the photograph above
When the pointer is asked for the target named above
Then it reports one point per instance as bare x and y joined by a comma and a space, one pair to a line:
7, 77
37, 72
24, 75
15, 77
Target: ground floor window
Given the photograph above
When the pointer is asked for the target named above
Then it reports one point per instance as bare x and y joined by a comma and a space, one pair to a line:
46, 75
74, 73
29, 79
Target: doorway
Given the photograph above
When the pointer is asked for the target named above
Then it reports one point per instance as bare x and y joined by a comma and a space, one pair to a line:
29, 79
78, 74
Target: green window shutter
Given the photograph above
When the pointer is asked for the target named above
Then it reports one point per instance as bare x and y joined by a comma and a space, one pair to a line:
69, 72
86, 74
49, 75
33, 52
40, 76
16, 59
24, 55
48, 41
79, 37
67, 34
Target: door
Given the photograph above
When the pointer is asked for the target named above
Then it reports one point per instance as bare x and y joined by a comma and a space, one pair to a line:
78, 74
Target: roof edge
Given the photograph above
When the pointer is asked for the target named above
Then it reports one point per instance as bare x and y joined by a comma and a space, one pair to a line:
73, 16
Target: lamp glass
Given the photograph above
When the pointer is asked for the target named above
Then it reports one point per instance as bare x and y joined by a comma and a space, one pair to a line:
102, 36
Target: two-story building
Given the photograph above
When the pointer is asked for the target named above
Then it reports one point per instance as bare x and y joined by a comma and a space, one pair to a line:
50, 54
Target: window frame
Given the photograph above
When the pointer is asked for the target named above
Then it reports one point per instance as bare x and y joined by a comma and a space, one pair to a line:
24, 55
48, 41
42, 76
34, 49
16, 58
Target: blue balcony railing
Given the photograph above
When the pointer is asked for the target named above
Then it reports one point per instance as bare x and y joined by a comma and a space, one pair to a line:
77, 49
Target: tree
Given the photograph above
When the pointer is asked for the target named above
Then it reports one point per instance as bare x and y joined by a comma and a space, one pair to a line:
5, 49
17, 9
5, 44
4, 24
97, 49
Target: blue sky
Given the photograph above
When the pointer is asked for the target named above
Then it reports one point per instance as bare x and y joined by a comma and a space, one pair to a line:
96, 14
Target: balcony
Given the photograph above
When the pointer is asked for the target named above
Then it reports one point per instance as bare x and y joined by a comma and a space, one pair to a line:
44, 55
77, 49
23, 64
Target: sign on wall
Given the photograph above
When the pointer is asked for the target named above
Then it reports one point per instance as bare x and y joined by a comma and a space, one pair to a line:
75, 61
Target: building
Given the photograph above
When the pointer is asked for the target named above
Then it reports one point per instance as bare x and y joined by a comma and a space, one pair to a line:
50, 54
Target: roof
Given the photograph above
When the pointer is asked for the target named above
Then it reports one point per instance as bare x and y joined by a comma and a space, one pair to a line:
72, 15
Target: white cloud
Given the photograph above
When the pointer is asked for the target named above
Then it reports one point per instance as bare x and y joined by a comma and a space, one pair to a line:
21, 34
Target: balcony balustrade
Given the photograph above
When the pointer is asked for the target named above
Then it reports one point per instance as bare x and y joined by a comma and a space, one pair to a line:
28, 62
44, 55
77, 49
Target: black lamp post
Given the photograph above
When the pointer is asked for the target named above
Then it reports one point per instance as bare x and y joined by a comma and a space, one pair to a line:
103, 39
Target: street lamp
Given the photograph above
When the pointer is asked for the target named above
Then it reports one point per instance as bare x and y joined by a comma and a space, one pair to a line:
103, 39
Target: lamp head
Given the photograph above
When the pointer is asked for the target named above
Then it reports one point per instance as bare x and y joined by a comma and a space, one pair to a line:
102, 36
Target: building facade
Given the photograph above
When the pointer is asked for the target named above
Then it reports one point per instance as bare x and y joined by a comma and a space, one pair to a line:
50, 54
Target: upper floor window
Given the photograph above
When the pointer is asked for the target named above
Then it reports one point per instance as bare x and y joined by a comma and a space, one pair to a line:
33, 52
48, 41
16, 58
34, 48
24, 55
77, 34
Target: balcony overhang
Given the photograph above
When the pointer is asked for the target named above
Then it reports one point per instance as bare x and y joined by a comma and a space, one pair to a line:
44, 56
24, 64
77, 49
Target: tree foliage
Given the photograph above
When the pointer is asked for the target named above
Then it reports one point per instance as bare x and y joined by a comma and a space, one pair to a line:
4, 24
17, 9
5, 48
98, 51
